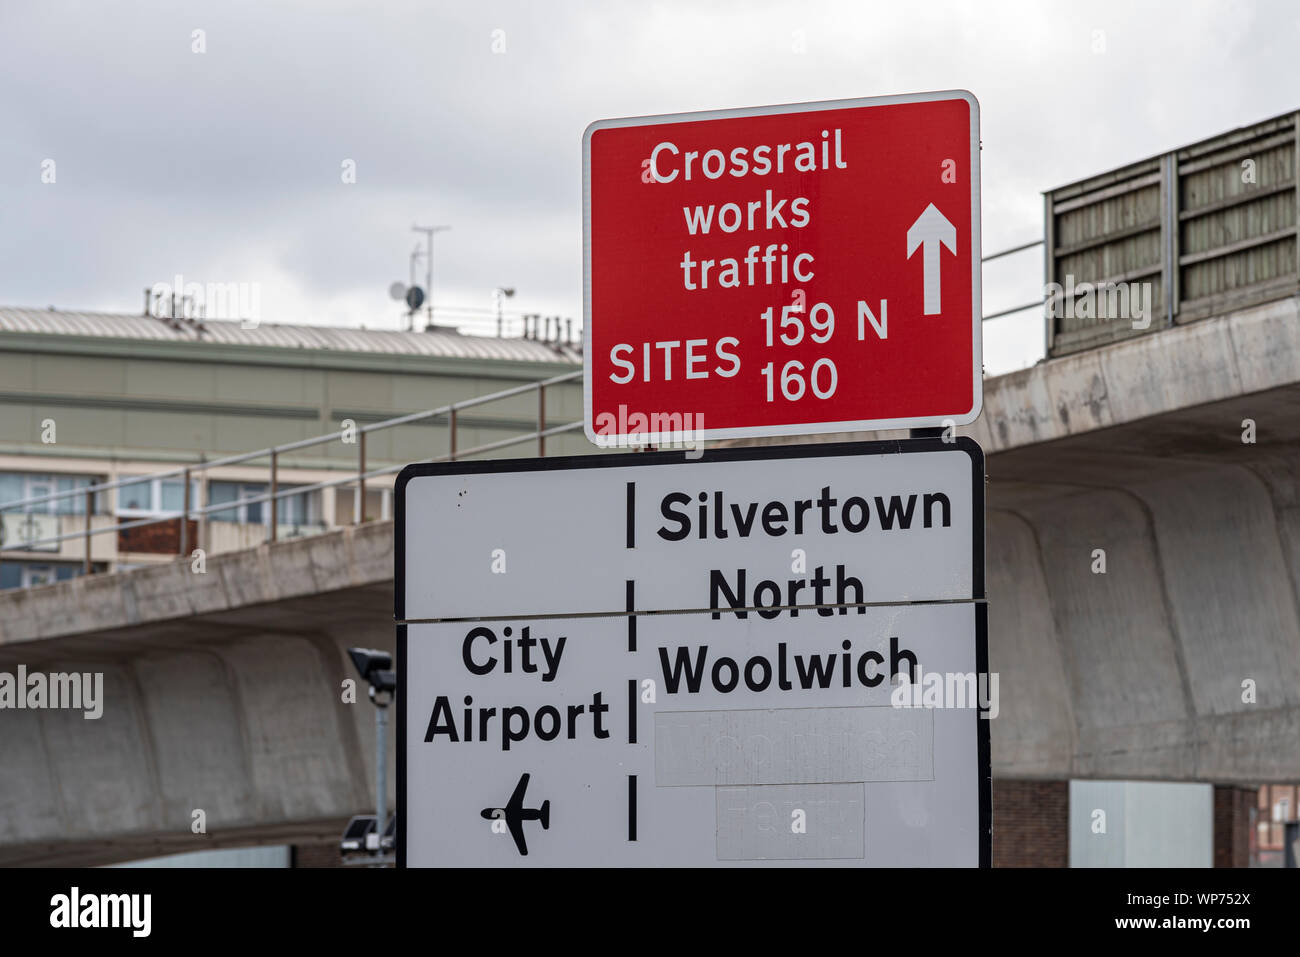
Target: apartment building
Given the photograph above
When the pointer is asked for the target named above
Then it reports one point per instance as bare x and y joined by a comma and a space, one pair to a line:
88, 398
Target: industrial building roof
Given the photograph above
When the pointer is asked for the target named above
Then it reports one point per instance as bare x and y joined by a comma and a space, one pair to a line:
442, 344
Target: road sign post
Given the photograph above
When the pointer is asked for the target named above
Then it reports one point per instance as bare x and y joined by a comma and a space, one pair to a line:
783, 270
767, 655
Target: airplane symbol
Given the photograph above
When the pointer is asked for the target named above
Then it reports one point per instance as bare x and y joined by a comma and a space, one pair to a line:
516, 814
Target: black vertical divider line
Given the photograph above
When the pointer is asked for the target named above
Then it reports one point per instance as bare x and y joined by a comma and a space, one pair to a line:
631, 711
631, 692
631, 646
631, 514
631, 807
631, 618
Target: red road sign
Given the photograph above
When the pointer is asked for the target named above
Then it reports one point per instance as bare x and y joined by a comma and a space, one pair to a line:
783, 269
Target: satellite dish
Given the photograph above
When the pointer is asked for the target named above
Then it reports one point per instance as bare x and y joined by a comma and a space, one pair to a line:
414, 298
398, 291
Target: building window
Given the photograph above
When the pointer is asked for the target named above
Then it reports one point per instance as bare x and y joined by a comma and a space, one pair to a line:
31, 574
34, 575
150, 497
16, 486
300, 509
248, 513
293, 511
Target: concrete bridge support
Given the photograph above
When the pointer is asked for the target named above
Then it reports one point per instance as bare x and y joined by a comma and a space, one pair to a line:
237, 713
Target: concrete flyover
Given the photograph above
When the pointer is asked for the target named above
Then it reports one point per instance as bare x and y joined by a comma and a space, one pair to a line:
223, 688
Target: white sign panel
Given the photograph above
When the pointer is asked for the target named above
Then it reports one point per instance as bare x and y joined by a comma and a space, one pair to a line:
709, 742
716, 725
886, 522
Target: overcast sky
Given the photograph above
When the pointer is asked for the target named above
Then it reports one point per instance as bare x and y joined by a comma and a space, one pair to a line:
225, 166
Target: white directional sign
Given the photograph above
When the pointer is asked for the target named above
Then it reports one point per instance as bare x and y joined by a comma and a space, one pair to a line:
799, 680
884, 527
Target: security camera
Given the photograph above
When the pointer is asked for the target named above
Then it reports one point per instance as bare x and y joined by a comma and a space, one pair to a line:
369, 660
376, 668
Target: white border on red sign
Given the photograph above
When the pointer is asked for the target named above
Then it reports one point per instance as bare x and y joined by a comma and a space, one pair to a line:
811, 428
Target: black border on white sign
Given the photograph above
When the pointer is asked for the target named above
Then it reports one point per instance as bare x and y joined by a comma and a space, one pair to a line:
749, 454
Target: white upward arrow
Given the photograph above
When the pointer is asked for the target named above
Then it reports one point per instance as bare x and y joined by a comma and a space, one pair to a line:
930, 229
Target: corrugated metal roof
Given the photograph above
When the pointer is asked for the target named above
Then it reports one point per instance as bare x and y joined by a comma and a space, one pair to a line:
111, 325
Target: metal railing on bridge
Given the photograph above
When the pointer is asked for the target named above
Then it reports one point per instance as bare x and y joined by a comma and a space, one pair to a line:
1194, 232
274, 493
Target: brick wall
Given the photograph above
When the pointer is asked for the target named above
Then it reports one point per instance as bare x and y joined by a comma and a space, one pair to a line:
317, 855
1031, 823
1232, 825
158, 538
